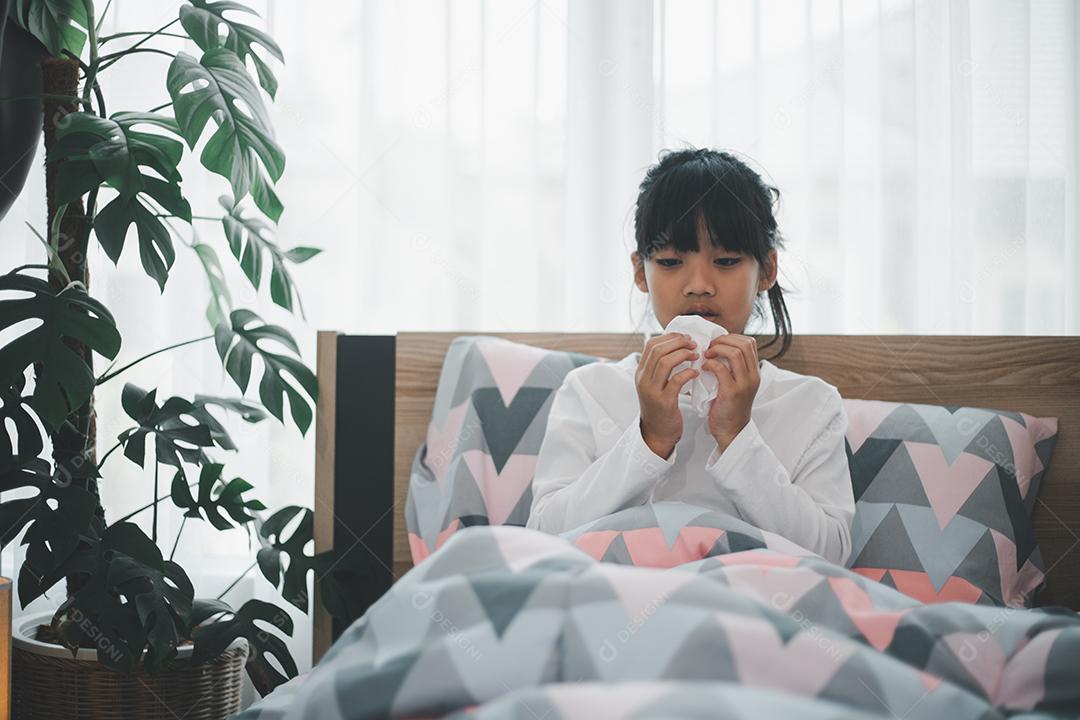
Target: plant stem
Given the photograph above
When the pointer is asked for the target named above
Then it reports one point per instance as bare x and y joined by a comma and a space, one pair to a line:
101, 20
193, 217
153, 527
183, 521
90, 210
237, 580
147, 506
97, 86
113, 374
118, 444
159, 31
111, 58
159, 107
117, 36
92, 70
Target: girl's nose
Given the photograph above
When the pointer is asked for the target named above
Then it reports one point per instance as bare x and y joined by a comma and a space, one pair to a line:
699, 281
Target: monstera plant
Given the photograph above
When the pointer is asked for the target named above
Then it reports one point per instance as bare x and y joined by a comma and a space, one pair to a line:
106, 172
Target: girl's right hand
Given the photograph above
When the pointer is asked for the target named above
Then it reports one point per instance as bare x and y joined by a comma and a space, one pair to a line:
658, 391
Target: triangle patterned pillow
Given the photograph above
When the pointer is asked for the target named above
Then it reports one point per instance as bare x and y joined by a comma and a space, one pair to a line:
943, 499
476, 465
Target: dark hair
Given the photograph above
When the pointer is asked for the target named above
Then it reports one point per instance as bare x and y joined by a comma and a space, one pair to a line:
691, 188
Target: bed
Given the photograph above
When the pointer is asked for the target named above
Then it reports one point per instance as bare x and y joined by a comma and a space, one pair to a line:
377, 395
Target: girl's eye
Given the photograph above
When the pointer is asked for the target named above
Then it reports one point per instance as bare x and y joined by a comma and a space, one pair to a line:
724, 262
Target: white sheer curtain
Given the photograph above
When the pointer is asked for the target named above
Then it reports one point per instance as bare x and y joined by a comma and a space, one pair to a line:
475, 163
926, 152
471, 165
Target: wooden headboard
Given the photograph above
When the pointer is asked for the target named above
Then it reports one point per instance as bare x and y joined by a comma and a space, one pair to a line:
376, 395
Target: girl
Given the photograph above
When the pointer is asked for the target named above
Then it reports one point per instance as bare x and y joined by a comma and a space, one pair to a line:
770, 449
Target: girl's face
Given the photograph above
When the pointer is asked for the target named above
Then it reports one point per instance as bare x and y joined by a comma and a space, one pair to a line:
723, 282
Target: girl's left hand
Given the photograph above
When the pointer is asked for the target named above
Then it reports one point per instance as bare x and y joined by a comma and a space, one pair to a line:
736, 388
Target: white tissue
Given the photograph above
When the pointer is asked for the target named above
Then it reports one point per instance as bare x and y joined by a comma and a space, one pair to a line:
701, 389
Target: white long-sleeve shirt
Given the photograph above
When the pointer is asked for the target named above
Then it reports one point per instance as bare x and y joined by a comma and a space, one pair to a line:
785, 472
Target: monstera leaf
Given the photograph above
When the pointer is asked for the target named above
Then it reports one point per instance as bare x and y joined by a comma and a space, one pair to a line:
91, 151
220, 304
64, 381
210, 504
211, 638
262, 191
117, 631
56, 519
293, 582
28, 443
219, 86
56, 23
249, 242
202, 21
237, 343
135, 598
167, 424
69, 517
249, 411
98, 150
159, 589
340, 576
155, 244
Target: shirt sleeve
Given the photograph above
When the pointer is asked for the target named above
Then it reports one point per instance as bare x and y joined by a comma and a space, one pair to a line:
815, 508
571, 485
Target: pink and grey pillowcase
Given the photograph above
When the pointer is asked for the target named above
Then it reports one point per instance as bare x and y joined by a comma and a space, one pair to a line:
476, 465
944, 495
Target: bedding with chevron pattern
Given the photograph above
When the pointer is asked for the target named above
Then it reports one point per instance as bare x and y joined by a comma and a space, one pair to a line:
507, 622
671, 610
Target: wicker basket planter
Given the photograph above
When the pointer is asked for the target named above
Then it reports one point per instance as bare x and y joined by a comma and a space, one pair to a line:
48, 684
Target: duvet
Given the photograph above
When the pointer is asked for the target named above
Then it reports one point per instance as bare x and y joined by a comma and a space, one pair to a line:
507, 622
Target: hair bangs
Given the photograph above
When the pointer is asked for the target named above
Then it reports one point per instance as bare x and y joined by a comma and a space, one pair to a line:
693, 198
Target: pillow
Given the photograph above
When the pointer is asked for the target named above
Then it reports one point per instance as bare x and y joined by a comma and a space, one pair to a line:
476, 464
944, 497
